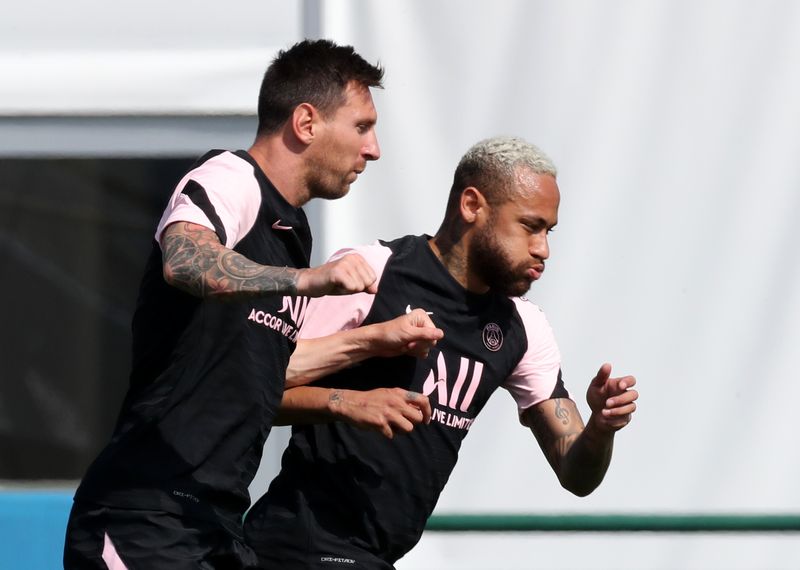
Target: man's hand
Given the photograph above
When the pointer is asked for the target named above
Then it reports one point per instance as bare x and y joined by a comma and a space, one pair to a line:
580, 456
612, 400
344, 276
386, 410
413, 333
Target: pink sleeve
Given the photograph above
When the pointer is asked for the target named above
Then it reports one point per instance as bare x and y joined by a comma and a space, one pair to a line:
537, 375
327, 315
234, 198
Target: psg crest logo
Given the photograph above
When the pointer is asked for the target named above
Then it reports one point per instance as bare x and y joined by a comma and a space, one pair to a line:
492, 337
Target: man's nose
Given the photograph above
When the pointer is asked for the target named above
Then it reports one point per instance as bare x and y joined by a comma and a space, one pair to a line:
372, 150
539, 246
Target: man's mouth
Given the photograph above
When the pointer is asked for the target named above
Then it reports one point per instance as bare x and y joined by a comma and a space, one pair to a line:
535, 272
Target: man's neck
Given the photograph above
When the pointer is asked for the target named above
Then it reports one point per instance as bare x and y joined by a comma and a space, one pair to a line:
283, 167
451, 250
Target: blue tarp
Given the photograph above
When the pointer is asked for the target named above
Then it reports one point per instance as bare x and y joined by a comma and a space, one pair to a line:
32, 527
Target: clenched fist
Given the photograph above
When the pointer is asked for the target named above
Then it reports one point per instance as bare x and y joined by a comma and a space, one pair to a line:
344, 276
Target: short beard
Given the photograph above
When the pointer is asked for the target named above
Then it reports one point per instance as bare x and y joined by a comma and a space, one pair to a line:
318, 189
324, 186
489, 261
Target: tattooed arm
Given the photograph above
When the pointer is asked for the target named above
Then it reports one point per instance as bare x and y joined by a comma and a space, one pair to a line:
578, 459
385, 410
580, 455
196, 262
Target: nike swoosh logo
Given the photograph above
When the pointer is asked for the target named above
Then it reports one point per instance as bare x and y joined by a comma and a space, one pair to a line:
277, 226
409, 309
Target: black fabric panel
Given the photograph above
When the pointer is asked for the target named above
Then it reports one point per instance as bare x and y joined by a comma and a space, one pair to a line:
74, 238
559, 390
197, 194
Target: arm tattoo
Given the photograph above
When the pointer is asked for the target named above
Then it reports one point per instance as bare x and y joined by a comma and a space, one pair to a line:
335, 402
198, 264
579, 462
561, 413
555, 445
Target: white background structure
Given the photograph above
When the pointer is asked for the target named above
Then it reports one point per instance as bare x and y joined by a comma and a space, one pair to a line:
676, 129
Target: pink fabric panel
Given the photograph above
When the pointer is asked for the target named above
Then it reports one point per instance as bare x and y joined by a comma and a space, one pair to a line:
231, 188
328, 315
534, 378
110, 556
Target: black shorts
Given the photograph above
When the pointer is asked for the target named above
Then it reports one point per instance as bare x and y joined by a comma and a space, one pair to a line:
103, 538
295, 541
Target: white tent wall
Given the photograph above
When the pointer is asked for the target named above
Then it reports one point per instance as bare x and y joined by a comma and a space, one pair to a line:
675, 127
146, 57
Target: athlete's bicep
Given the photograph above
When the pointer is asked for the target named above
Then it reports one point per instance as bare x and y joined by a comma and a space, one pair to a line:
556, 424
188, 249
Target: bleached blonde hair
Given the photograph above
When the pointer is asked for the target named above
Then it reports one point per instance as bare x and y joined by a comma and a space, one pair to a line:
491, 166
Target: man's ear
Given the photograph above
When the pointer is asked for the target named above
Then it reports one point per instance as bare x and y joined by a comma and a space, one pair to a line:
304, 122
473, 205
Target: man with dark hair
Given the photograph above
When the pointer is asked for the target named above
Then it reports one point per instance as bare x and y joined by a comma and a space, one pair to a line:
315, 73
216, 322
348, 497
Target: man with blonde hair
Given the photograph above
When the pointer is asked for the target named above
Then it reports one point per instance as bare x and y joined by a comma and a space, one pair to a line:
346, 495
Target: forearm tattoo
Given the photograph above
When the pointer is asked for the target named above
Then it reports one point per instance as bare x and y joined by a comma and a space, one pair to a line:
198, 264
555, 445
335, 402
579, 463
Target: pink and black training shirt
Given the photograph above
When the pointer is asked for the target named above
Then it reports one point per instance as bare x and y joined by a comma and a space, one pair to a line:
348, 494
207, 376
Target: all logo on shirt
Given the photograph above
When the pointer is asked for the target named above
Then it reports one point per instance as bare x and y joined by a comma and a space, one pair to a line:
455, 400
297, 309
